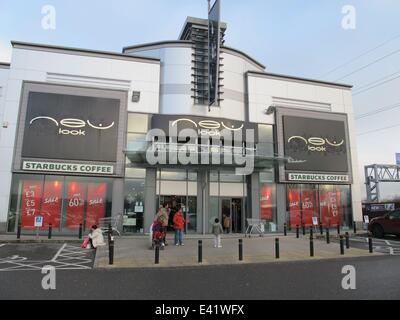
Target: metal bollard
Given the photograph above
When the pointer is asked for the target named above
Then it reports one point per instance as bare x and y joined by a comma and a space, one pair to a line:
50, 230
109, 232
285, 229
347, 237
304, 230
371, 249
328, 240
354, 227
341, 245
200, 251
311, 232
80, 231
311, 246
240, 249
157, 254
338, 229
276, 248
297, 231
111, 251
19, 231
321, 230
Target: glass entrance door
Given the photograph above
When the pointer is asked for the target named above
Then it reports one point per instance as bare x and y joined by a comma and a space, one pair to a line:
226, 215
231, 215
236, 215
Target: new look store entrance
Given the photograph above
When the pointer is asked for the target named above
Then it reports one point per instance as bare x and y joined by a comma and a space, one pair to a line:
231, 218
221, 193
227, 200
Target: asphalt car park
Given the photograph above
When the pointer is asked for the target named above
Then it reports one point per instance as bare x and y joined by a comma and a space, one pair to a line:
25, 256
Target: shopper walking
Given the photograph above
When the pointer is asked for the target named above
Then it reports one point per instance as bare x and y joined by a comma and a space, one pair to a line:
227, 223
217, 230
179, 225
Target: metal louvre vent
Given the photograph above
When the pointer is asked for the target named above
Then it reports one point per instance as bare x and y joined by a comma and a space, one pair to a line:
199, 37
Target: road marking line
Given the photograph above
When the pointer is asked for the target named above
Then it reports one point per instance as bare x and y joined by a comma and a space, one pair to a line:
17, 266
391, 251
58, 252
388, 243
65, 259
2, 245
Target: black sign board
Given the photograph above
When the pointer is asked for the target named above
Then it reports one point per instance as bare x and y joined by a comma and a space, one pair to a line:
204, 127
315, 145
214, 40
68, 127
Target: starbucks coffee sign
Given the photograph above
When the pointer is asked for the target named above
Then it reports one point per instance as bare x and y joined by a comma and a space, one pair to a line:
67, 167
316, 177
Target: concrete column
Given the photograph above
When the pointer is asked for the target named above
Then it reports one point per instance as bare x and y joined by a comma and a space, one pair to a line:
255, 195
203, 192
281, 205
150, 193
118, 198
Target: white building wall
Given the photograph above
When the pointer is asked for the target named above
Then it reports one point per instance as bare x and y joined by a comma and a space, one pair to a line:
176, 71
175, 77
70, 69
269, 91
234, 70
4, 152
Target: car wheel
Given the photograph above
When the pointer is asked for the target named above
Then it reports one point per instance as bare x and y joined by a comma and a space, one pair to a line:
377, 231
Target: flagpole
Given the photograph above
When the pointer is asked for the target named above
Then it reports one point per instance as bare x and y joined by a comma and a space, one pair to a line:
208, 37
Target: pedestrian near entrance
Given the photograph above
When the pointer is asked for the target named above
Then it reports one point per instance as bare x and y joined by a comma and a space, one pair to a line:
227, 223
217, 230
179, 224
162, 218
96, 238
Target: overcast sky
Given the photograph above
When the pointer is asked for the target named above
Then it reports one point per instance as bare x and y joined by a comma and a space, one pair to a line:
296, 37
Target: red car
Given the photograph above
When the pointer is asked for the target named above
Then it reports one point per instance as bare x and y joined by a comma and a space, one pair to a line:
386, 224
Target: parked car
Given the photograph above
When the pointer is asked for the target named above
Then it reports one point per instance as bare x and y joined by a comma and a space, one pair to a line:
386, 224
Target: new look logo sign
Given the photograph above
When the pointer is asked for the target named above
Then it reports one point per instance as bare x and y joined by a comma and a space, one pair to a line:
195, 140
71, 127
315, 145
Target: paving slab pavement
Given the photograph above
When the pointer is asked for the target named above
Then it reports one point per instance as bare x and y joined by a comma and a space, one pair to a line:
135, 252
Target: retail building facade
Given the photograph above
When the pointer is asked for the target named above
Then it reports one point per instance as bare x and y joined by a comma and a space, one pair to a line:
78, 127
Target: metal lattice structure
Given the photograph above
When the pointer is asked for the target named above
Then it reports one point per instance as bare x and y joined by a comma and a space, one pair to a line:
197, 32
377, 173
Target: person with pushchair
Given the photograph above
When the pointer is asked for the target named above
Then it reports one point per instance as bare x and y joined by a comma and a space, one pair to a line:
162, 218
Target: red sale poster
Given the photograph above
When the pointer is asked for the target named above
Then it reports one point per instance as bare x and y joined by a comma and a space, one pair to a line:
75, 204
294, 207
330, 208
324, 207
308, 207
96, 198
334, 204
266, 203
51, 204
30, 203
